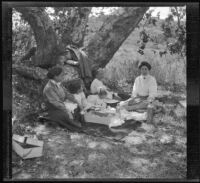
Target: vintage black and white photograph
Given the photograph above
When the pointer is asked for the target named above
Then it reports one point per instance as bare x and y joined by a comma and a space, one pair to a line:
99, 92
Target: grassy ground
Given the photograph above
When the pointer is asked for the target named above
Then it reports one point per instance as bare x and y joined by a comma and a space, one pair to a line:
151, 151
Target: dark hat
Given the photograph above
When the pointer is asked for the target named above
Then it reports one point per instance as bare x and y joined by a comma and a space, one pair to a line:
145, 64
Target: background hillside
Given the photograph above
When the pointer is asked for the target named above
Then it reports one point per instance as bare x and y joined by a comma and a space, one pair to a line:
169, 69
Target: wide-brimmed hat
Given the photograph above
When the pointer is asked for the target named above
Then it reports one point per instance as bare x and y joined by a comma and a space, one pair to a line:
144, 63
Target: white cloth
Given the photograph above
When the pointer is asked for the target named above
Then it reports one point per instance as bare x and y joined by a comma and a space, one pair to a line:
81, 99
70, 106
96, 86
126, 115
145, 86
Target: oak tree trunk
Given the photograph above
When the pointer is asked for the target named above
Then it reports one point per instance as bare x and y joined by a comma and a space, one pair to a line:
45, 36
112, 34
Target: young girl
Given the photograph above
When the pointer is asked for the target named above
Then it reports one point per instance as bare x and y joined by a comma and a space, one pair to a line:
75, 87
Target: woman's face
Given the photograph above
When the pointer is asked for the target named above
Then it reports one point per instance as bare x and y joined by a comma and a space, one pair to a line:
144, 70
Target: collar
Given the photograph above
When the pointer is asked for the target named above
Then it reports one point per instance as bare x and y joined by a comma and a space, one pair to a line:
145, 77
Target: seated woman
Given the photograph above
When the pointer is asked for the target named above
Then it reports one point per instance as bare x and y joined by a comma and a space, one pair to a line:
144, 89
55, 96
97, 86
98, 100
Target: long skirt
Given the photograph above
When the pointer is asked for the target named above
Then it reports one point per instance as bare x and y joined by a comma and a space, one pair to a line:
62, 118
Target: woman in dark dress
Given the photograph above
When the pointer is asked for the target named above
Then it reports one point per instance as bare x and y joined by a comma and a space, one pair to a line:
55, 95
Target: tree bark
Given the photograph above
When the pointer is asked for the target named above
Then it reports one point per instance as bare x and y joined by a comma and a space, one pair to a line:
33, 73
112, 34
76, 26
45, 36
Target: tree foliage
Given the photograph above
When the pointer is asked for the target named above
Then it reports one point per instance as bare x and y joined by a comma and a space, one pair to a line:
173, 28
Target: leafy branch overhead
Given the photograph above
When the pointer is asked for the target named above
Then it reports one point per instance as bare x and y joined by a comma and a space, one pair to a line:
173, 27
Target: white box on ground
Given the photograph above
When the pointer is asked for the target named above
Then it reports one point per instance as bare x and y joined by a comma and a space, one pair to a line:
32, 148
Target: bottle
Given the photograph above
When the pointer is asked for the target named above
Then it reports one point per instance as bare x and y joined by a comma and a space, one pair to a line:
149, 113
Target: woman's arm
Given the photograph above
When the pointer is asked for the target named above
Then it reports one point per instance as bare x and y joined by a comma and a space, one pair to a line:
53, 98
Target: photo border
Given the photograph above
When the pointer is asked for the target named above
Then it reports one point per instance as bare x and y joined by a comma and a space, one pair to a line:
192, 25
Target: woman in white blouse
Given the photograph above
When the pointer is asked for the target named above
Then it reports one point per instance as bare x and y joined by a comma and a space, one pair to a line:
144, 89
